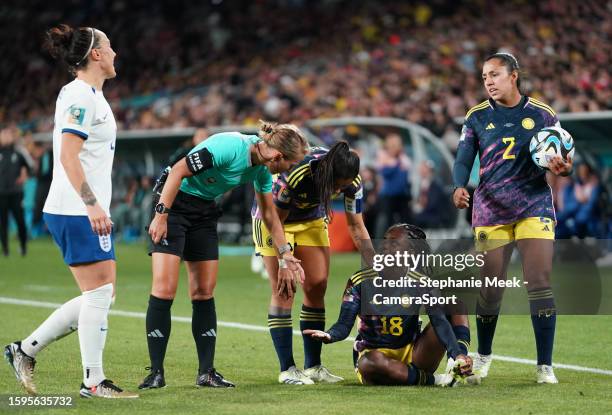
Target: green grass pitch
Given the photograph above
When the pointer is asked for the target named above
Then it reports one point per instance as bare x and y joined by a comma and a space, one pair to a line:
247, 357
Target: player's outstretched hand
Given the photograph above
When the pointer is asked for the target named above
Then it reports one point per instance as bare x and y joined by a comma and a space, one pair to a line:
318, 335
559, 166
464, 364
461, 198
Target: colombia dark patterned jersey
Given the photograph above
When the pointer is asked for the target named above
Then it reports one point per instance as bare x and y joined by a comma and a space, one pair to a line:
384, 331
511, 186
297, 191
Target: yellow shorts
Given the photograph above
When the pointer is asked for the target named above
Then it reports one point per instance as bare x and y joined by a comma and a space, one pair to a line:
491, 237
403, 354
311, 233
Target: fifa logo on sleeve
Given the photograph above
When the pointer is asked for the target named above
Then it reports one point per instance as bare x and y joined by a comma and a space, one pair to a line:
196, 163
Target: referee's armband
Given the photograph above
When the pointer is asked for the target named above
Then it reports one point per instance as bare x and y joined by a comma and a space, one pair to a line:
198, 161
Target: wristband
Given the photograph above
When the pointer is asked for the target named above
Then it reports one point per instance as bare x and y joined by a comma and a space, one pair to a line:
285, 248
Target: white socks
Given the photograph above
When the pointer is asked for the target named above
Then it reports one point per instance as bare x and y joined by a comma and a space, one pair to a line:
93, 326
61, 322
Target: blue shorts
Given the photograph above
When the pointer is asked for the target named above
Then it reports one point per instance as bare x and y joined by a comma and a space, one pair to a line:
78, 243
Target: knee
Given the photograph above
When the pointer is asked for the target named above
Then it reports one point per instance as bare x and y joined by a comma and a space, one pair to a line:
201, 293
163, 293
540, 278
370, 366
459, 320
492, 295
315, 290
164, 290
278, 302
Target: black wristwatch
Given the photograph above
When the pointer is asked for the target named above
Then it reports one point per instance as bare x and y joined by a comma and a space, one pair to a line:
161, 208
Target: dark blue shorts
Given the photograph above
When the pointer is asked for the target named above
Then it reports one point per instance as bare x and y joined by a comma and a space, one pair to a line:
78, 243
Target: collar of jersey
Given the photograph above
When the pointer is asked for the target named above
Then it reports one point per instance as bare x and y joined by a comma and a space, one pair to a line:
252, 143
521, 104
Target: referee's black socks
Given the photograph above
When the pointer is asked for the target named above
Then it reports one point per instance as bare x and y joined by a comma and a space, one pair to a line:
158, 326
314, 319
204, 330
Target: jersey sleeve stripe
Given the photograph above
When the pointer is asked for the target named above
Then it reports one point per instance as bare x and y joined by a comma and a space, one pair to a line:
81, 134
537, 101
294, 174
475, 108
362, 275
542, 106
298, 179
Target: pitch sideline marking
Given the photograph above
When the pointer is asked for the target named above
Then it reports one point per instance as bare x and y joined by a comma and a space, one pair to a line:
252, 327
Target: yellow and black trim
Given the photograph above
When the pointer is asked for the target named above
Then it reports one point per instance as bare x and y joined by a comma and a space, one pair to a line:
483, 105
542, 105
257, 232
312, 316
279, 322
360, 276
298, 174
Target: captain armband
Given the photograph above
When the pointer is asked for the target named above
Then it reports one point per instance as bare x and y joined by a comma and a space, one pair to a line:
198, 161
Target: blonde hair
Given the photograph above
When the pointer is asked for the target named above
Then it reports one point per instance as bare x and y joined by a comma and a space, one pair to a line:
286, 138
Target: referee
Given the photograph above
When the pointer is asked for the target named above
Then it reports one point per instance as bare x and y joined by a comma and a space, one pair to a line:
15, 170
185, 227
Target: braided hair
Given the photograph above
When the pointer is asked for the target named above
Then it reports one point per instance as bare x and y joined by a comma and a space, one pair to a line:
415, 237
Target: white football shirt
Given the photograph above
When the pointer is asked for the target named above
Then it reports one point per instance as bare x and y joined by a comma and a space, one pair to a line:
82, 110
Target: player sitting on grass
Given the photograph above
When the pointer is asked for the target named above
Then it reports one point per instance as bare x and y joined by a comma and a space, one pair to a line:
391, 349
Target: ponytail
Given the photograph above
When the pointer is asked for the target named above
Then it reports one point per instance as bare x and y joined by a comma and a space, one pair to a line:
340, 163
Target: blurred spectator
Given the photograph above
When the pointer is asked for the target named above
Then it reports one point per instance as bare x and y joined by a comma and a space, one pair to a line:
432, 208
200, 135
43, 156
369, 181
14, 170
133, 213
579, 206
387, 59
394, 195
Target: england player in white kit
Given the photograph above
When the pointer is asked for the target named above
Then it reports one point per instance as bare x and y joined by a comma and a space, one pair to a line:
77, 210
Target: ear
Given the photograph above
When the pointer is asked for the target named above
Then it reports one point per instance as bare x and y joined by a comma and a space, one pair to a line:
276, 155
95, 54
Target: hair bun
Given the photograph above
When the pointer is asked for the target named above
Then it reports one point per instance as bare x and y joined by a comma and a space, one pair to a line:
266, 127
58, 40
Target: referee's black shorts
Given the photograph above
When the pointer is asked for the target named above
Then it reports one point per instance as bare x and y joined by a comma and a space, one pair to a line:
192, 229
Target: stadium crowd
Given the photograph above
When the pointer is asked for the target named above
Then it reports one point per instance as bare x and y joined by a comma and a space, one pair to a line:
186, 64
203, 64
